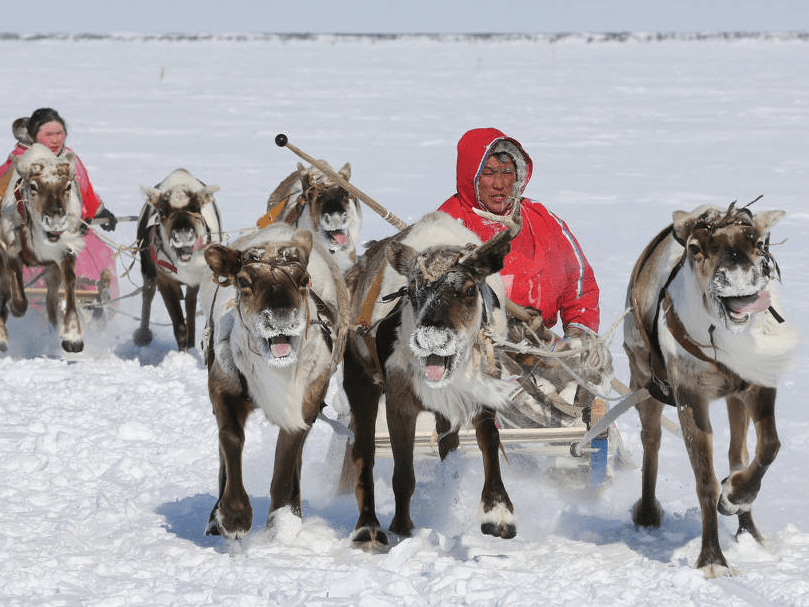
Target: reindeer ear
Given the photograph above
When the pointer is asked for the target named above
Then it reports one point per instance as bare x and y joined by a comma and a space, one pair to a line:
205, 195
152, 195
345, 172
224, 262
492, 261
764, 221
401, 257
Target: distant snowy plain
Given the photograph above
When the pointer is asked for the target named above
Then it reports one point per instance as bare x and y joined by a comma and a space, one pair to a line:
109, 460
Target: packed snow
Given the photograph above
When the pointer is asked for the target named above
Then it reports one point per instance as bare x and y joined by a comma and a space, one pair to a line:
109, 458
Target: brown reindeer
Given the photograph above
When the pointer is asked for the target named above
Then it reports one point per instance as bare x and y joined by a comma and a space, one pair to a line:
426, 353
275, 335
41, 226
178, 219
310, 200
705, 326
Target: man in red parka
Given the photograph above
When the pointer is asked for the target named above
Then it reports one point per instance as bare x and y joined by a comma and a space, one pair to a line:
546, 268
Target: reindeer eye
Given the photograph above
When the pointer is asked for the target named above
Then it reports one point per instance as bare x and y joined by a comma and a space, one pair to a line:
694, 249
242, 282
470, 291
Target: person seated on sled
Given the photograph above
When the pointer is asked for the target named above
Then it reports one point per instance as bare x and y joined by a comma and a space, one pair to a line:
47, 127
96, 261
546, 269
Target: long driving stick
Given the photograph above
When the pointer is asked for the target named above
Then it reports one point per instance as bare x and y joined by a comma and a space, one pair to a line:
282, 142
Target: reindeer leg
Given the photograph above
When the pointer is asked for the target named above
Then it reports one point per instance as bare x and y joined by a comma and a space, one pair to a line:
172, 295
647, 511
402, 410
698, 436
232, 515
741, 487
191, 315
496, 512
71, 325
19, 302
285, 489
143, 335
363, 395
448, 440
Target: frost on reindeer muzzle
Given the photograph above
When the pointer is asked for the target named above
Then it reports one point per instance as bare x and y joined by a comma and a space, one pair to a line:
438, 351
278, 341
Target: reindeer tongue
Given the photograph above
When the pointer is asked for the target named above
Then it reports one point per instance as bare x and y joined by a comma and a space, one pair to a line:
754, 303
280, 347
340, 238
435, 368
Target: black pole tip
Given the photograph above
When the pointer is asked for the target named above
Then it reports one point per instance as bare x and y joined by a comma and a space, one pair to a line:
281, 140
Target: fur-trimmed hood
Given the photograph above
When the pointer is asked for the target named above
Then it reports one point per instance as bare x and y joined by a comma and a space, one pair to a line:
474, 148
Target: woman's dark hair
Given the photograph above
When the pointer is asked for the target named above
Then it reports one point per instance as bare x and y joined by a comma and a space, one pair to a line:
42, 116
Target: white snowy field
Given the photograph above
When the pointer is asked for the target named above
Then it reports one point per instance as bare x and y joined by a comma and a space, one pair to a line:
109, 460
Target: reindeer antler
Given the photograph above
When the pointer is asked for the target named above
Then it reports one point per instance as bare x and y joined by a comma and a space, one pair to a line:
513, 221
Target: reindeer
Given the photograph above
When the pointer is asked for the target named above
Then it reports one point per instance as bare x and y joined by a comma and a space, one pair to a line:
310, 200
178, 219
275, 335
426, 352
705, 326
41, 226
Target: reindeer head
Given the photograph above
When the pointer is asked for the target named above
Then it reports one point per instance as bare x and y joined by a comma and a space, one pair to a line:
332, 211
446, 293
271, 284
181, 223
728, 253
48, 191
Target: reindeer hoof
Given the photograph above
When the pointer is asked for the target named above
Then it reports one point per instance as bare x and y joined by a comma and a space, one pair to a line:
647, 515
234, 528
142, 337
69, 345
504, 530
370, 538
498, 521
726, 506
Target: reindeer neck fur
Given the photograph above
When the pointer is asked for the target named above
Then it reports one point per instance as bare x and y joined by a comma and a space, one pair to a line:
758, 352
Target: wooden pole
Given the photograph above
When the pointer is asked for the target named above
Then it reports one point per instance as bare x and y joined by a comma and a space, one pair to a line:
282, 142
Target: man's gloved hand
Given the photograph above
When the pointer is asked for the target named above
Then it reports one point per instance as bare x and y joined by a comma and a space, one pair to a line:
110, 220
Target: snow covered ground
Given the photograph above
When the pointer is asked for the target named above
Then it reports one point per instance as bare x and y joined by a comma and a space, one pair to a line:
109, 460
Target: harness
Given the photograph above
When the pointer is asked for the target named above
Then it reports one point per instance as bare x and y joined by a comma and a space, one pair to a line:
659, 386
21, 197
156, 244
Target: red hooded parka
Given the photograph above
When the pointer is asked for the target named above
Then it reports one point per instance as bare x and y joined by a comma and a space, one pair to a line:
546, 268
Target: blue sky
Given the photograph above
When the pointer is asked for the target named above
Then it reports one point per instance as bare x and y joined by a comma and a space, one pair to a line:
369, 16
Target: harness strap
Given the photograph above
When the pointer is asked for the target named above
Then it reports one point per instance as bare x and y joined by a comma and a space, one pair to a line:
168, 266
680, 334
364, 319
273, 213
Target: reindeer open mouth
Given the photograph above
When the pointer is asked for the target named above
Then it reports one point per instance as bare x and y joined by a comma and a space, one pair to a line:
738, 308
338, 239
54, 235
438, 351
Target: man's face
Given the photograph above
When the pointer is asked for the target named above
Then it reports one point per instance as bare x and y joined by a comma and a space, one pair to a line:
495, 184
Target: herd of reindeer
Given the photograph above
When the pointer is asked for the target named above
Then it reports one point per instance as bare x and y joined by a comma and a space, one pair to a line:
417, 317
